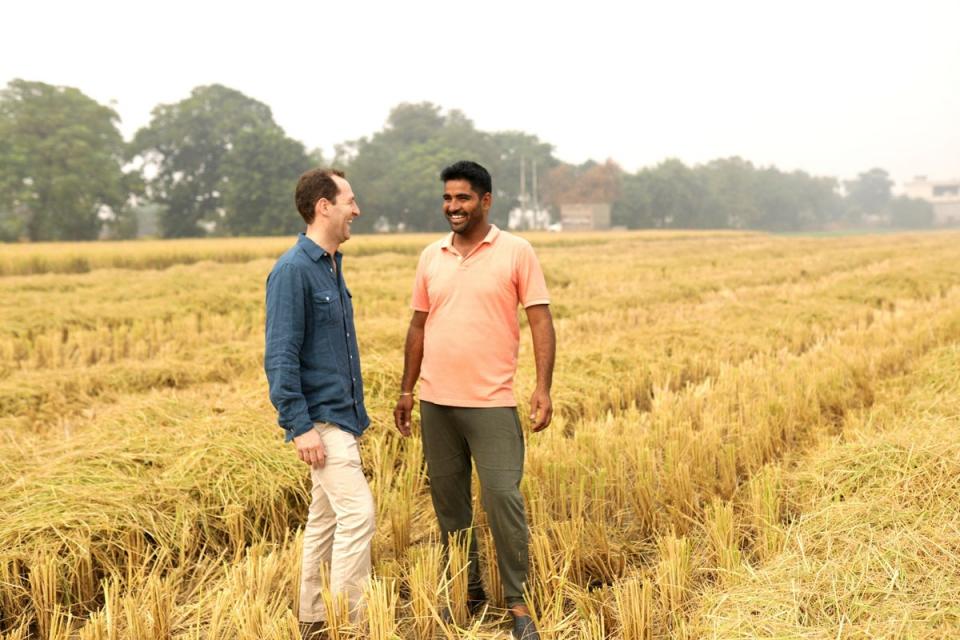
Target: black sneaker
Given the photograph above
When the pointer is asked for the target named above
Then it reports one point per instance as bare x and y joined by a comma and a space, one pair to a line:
476, 600
523, 628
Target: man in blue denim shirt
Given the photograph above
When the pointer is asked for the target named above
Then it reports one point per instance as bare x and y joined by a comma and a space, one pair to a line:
313, 367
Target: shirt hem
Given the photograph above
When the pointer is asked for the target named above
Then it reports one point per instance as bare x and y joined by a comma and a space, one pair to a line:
471, 403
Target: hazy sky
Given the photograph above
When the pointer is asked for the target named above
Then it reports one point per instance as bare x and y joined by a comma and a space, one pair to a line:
832, 88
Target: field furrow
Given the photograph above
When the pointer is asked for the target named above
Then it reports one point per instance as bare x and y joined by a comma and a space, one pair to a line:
146, 493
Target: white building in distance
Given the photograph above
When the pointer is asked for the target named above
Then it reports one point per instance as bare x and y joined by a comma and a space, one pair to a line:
944, 195
585, 217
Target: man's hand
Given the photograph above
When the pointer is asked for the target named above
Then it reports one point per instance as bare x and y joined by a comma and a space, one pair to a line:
310, 448
402, 413
541, 409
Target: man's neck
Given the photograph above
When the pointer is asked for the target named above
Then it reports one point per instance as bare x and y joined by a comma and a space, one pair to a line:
322, 240
465, 243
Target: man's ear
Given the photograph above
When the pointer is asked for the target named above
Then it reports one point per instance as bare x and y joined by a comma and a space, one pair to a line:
320, 209
486, 200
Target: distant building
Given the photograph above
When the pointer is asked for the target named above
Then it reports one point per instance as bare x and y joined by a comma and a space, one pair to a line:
944, 195
585, 217
528, 219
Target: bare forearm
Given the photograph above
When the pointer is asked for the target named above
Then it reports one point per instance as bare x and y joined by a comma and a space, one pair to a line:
544, 345
412, 358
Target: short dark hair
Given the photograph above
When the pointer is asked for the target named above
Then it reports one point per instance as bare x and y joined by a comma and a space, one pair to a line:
478, 177
313, 185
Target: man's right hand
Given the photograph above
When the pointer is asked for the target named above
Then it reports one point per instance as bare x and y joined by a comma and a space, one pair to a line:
402, 414
310, 448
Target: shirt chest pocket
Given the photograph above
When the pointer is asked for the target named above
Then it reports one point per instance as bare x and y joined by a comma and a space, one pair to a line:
325, 305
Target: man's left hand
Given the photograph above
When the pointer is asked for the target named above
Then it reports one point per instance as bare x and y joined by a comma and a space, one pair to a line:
541, 410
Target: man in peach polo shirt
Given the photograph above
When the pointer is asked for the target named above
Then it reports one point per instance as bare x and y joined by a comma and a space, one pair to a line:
462, 344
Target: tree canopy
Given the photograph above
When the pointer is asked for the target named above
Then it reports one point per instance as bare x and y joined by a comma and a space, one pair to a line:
217, 162
192, 146
60, 163
396, 172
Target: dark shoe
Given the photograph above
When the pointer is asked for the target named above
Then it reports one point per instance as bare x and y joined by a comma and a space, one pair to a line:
523, 628
313, 631
476, 601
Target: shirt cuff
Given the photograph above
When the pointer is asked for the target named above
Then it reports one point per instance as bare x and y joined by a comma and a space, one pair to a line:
298, 429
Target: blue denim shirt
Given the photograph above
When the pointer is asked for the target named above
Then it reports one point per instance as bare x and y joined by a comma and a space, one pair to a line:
311, 358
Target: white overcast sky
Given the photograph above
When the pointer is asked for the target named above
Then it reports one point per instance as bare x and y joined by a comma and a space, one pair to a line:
833, 88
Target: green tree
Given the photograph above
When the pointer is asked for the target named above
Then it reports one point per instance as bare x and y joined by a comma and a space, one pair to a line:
795, 201
869, 194
396, 172
728, 192
674, 195
60, 163
634, 208
731, 193
186, 144
258, 186
513, 149
910, 213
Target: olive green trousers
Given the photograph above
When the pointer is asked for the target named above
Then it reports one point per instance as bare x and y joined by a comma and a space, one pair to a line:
455, 438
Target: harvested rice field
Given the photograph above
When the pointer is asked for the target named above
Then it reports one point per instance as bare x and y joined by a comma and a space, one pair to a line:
755, 436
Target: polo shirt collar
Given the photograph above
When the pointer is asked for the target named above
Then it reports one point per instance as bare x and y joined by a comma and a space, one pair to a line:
311, 248
490, 238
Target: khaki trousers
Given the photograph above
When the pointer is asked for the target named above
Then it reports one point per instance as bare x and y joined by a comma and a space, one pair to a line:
340, 527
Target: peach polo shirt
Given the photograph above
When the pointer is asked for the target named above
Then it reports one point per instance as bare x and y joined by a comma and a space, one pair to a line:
472, 333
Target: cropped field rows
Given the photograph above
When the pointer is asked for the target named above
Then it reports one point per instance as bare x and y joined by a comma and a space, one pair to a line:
200, 323
874, 542
141, 473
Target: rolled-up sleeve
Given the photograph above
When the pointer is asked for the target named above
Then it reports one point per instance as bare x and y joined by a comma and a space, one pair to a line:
284, 339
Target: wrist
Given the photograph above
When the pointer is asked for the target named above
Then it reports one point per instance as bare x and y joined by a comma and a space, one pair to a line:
406, 393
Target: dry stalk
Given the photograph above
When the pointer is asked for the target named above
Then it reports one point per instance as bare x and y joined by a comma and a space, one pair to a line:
488, 554
44, 582
424, 580
763, 510
635, 608
458, 551
381, 598
721, 533
673, 573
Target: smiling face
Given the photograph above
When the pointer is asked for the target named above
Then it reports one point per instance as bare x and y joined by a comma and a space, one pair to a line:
340, 213
464, 209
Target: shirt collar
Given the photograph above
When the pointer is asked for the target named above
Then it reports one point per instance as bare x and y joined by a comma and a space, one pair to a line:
312, 249
490, 238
